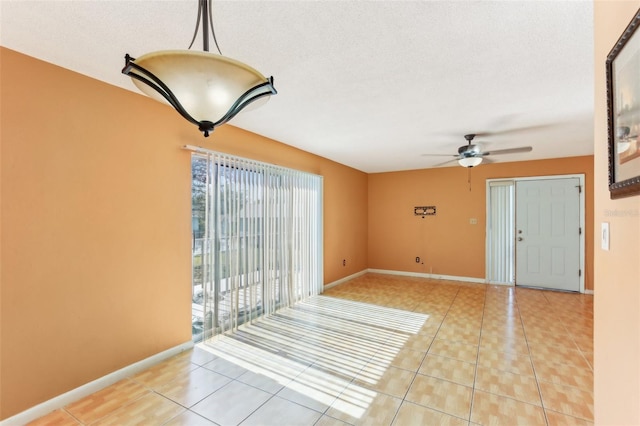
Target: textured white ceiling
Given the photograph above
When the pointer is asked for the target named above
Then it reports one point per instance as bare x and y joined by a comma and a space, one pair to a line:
372, 85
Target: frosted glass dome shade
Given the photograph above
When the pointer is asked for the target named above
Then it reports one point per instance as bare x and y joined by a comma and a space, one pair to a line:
207, 89
469, 161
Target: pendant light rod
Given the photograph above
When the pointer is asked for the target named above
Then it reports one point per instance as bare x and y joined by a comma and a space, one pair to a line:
204, 5
205, 14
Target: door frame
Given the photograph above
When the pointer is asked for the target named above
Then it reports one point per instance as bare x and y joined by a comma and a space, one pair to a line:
581, 202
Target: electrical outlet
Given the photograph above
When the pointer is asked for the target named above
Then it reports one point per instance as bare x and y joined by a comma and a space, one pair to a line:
344, 262
417, 259
473, 221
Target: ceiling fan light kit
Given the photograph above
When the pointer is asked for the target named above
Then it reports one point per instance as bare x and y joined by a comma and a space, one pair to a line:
470, 161
207, 89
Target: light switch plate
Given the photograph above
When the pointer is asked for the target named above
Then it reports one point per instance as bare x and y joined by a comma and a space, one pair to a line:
604, 236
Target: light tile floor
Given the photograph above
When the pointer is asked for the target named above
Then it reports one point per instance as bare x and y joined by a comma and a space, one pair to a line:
378, 350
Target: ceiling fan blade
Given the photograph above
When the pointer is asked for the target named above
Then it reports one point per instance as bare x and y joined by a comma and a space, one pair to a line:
487, 160
516, 130
509, 150
437, 155
446, 162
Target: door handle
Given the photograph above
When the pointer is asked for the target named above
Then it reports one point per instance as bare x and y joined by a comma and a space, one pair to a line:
520, 238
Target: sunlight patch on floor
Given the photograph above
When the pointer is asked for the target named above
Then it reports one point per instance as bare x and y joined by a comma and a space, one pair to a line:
317, 347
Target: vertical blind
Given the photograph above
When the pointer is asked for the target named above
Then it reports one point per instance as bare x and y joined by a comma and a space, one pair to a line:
501, 232
262, 242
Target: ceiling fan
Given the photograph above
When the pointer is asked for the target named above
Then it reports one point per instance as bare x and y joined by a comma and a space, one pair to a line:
471, 155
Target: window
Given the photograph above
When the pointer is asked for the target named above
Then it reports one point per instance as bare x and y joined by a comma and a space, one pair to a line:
257, 240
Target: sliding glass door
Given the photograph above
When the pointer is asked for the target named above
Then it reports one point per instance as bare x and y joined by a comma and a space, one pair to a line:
257, 242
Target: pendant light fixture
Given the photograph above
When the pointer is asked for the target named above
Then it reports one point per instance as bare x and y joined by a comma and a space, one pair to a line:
207, 89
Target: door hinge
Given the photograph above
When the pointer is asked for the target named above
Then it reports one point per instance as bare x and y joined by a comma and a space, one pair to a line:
580, 230
579, 272
579, 189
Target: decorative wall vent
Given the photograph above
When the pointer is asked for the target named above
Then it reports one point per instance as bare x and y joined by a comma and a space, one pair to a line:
424, 211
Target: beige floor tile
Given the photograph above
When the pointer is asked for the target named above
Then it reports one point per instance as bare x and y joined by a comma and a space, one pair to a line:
189, 418
462, 321
393, 381
268, 384
567, 400
430, 328
226, 368
449, 369
340, 365
467, 327
559, 419
502, 325
564, 374
499, 343
408, 359
193, 386
418, 342
589, 357
499, 324
314, 389
458, 334
585, 331
381, 411
508, 331
490, 409
330, 421
471, 312
412, 414
279, 411
506, 361
358, 405
164, 372
441, 395
457, 350
551, 339
558, 354
549, 325
503, 329
522, 388
106, 401
151, 409
432, 309
585, 344
56, 418
197, 355
218, 407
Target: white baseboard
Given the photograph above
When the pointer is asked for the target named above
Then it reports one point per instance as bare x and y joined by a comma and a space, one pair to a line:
421, 275
425, 275
501, 283
80, 392
345, 279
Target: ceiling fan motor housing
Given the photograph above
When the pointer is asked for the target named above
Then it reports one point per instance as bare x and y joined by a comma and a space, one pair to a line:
469, 150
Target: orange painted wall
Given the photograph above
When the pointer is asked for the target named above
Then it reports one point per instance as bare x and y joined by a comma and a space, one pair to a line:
617, 271
95, 221
447, 243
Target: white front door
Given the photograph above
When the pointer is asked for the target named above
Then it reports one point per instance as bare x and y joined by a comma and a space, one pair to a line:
548, 233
